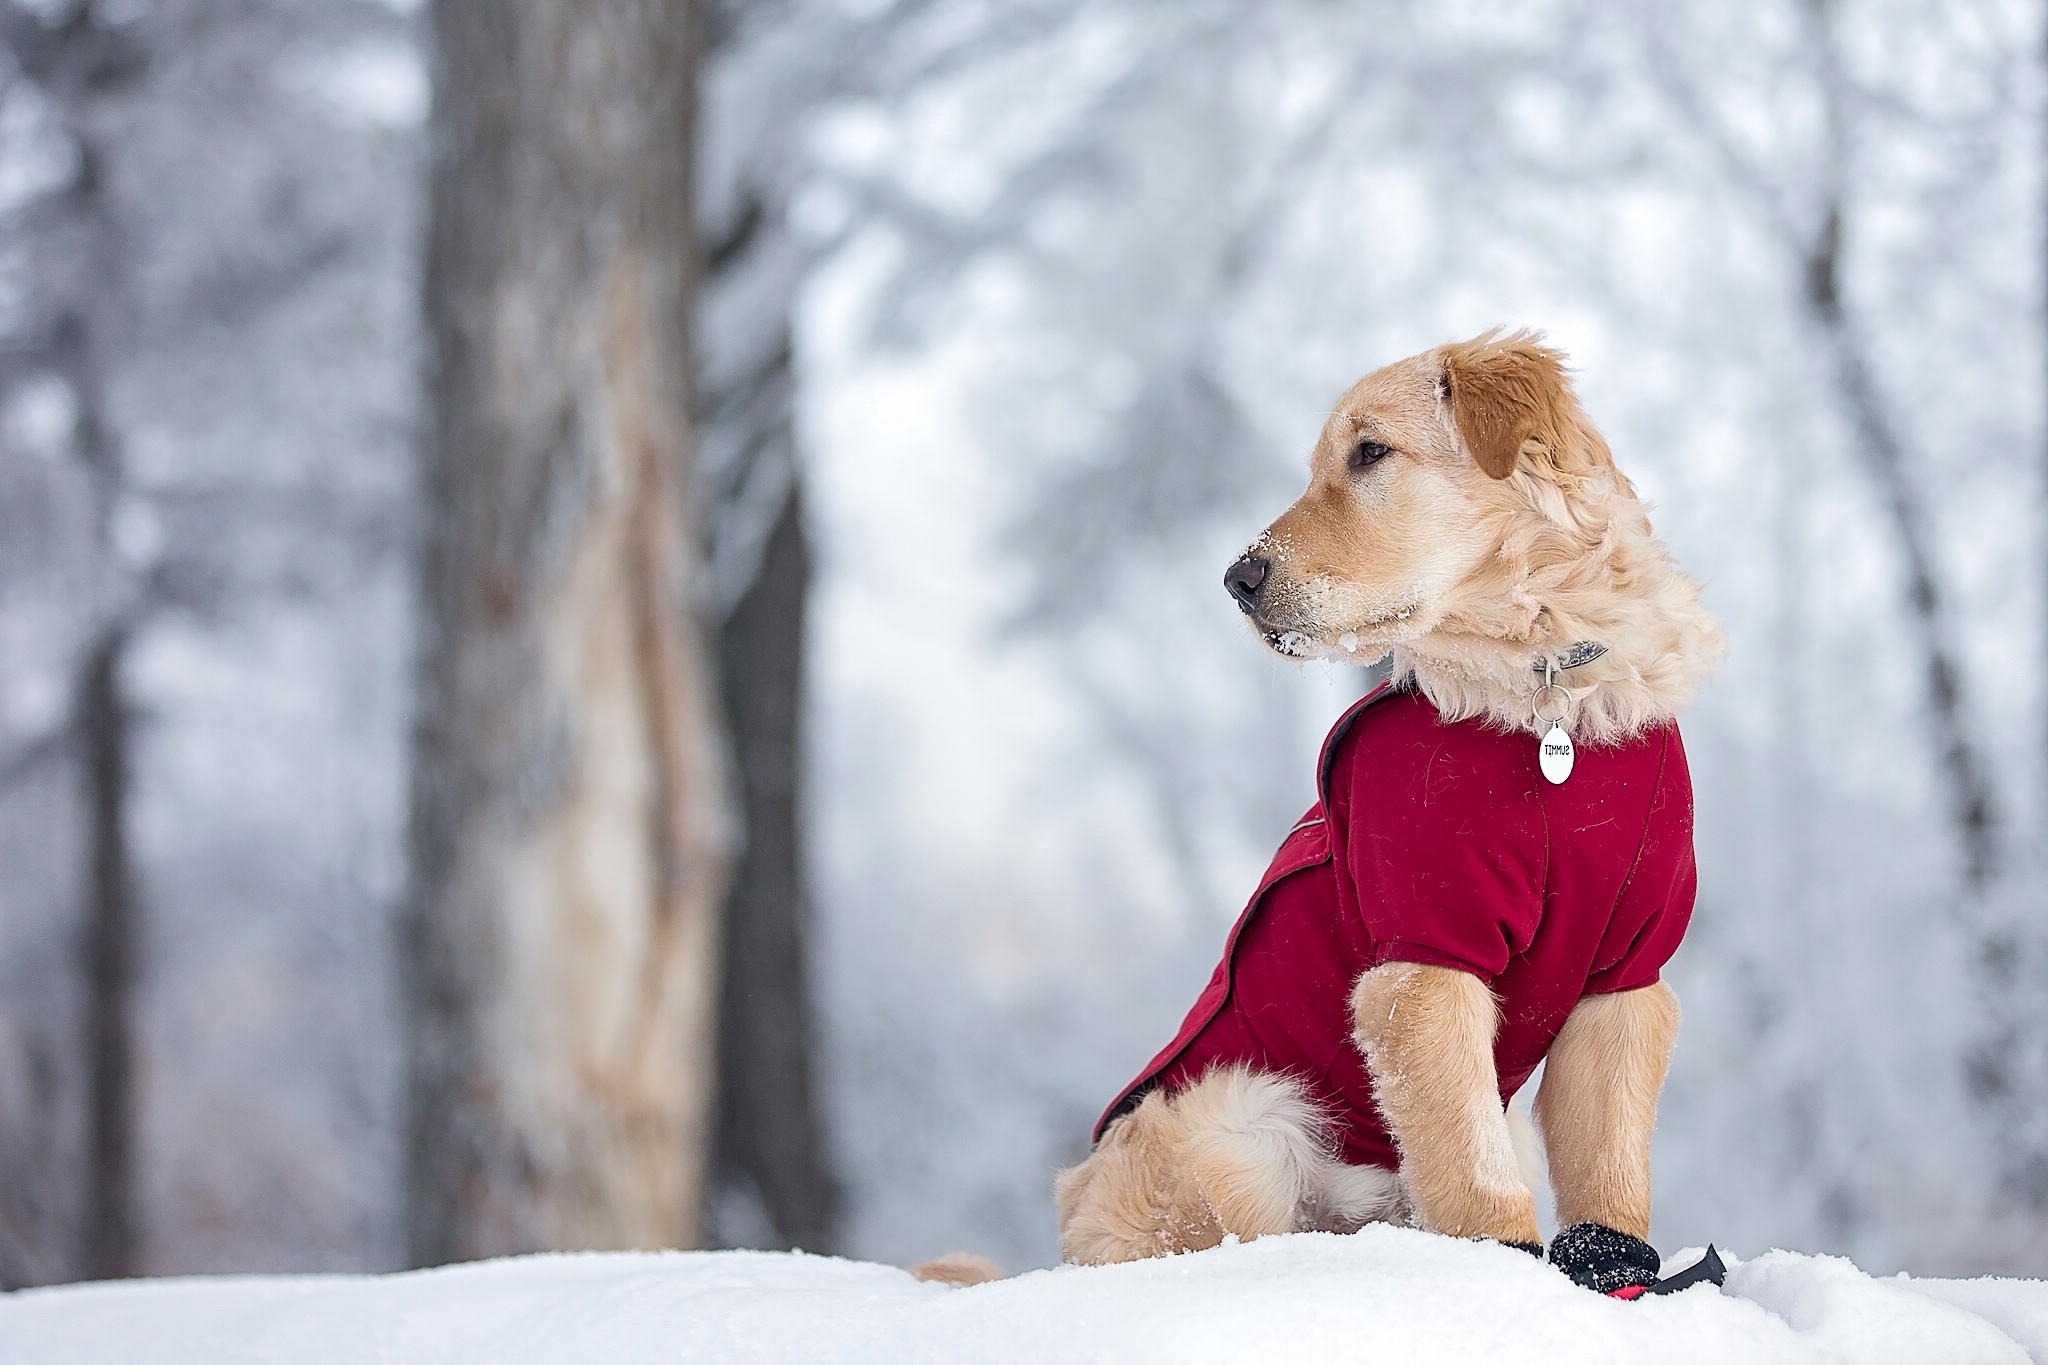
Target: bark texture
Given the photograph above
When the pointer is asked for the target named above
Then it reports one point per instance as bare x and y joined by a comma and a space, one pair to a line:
570, 834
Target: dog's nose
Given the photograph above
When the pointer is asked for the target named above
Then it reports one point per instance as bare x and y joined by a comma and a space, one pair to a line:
1243, 580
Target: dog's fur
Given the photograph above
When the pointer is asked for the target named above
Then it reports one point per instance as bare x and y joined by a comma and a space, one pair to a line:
1489, 528
1598, 1105
1427, 1033
1498, 529
1238, 1152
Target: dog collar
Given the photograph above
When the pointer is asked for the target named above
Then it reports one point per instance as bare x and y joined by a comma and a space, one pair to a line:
1554, 751
1571, 656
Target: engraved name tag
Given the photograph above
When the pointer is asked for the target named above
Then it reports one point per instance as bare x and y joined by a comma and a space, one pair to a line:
1555, 755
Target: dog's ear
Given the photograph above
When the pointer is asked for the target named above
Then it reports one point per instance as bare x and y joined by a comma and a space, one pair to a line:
1503, 390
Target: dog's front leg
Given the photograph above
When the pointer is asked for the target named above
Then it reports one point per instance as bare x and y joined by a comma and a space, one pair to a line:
1427, 1033
1597, 1106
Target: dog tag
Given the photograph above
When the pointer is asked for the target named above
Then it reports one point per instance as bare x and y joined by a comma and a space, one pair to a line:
1555, 755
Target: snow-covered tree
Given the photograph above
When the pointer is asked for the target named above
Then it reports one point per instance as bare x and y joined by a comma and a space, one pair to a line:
210, 375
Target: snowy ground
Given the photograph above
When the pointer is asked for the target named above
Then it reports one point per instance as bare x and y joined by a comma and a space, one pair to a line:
1384, 1294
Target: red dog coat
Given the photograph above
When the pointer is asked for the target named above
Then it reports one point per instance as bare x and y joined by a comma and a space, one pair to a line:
1444, 844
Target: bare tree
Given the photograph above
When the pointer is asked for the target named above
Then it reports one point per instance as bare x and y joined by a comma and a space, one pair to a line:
775, 64
1883, 448
570, 827
1812, 223
2008, 1071
66, 1196
771, 1133
202, 401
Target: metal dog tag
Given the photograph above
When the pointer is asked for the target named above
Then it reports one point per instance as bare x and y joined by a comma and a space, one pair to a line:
1555, 755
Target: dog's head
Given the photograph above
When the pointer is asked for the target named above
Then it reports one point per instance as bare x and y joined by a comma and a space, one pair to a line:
1417, 483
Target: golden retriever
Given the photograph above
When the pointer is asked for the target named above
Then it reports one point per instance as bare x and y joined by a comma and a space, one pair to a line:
1464, 516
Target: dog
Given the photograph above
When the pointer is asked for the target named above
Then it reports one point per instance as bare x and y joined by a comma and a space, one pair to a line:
1451, 912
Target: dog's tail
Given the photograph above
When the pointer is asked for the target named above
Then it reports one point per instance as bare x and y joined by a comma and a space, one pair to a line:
957, 1268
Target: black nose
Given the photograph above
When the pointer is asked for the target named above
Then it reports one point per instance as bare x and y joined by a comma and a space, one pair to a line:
1243, 579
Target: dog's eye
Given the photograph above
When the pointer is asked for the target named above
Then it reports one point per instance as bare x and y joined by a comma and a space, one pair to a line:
1369, 453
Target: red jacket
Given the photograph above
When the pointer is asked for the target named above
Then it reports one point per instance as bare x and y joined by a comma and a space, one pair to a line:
1444, 844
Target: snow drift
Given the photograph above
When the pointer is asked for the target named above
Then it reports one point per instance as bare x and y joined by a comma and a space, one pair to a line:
1381, 1294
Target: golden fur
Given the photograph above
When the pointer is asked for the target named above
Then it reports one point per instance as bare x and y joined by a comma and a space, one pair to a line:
1427, 1034
1467, 565
1463, 515
1238, 1153
1597, 1105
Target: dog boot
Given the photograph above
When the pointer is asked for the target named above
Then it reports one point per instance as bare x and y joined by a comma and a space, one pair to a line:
1605, 1261
1706, 1270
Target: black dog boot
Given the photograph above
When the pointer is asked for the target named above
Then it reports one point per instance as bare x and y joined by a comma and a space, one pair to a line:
1708, 1269
1605, 1261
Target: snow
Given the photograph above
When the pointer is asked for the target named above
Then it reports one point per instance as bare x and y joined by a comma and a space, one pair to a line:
1382, 1294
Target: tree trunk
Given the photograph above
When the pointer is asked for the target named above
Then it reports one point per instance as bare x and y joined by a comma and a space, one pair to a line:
569, 821
770, 1134
110, 942
67, 933
1964, 772
772, 1185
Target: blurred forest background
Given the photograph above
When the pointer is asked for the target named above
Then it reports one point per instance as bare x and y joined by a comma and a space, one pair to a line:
544, 543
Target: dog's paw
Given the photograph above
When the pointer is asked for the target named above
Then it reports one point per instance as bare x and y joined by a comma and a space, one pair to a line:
1603, 1260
